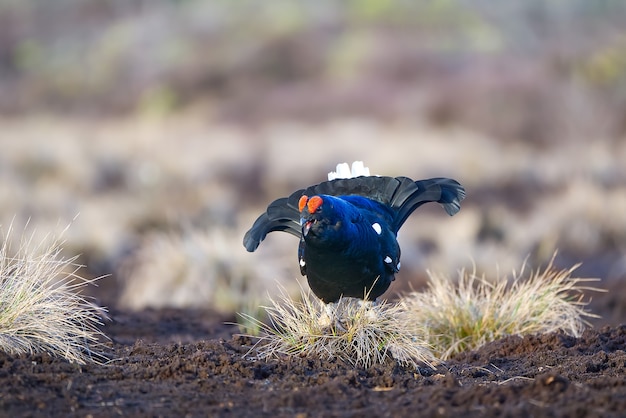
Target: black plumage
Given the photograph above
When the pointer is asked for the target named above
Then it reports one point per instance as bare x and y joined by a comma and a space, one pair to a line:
348, 228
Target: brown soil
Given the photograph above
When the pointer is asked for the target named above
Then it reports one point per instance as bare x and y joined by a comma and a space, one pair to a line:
188, 363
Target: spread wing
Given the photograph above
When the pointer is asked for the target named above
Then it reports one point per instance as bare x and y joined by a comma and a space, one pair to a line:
448, 192
281, 215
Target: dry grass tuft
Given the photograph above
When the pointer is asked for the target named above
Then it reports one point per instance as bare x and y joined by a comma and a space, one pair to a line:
361, 333
41, 309
474, 311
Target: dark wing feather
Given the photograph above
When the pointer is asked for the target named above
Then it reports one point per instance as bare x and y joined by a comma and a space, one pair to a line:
281, 215
446, 191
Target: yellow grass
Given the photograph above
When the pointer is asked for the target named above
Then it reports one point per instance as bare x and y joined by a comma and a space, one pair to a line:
362, 333
426, 327
465, 315
41, 309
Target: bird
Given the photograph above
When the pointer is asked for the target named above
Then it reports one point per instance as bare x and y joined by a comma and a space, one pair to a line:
348, 228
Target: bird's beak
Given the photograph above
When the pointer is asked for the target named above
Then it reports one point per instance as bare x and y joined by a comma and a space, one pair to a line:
306, 227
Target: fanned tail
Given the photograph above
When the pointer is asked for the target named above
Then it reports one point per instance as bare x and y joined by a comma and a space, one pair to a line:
401, 194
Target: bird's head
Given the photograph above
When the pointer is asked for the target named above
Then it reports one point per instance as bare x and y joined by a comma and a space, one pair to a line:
319, 217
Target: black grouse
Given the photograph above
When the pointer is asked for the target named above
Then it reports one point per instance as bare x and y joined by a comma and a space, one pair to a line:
348, 227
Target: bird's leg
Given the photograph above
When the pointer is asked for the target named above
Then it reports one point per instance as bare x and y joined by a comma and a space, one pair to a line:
329, 320
367, 306
326, 317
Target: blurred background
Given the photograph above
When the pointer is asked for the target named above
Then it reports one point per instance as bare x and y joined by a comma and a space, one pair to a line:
161, 129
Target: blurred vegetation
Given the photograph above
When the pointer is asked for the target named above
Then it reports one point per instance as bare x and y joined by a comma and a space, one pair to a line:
534, 69
137, 115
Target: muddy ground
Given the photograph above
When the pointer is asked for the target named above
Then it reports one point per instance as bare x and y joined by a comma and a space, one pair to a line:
190, 363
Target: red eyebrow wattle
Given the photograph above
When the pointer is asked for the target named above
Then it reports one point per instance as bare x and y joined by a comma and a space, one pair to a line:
302, 202
314, 203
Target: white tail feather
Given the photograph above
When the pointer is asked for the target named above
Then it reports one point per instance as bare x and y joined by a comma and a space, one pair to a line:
344, 172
